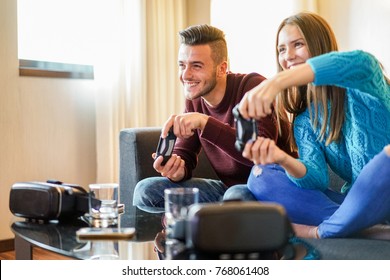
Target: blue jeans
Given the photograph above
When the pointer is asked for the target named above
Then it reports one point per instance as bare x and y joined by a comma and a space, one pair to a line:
336, 215
239, 192
149, 192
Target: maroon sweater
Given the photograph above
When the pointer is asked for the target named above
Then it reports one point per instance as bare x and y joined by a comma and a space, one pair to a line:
219, 134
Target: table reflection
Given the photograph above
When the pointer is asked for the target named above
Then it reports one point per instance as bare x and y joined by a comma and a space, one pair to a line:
60, 237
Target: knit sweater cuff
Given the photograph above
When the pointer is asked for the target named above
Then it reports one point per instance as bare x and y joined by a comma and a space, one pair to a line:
308, 181
325, 69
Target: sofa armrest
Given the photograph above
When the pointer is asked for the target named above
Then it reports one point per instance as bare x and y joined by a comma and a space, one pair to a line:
136, 146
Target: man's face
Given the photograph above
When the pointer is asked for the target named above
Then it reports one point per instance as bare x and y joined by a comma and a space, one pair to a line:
197, 71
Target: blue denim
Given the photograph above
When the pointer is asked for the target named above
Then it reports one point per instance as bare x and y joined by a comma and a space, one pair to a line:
367, 203
239, 192
149, 192
336, 215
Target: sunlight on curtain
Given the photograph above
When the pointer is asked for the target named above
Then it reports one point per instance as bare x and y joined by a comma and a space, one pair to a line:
135, 72
250, 27
164, 20
119, 76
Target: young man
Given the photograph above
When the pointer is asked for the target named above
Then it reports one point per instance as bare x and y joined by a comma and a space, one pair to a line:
211, 93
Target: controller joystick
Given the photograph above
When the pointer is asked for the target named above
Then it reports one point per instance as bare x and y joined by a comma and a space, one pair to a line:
246, 130
165, 146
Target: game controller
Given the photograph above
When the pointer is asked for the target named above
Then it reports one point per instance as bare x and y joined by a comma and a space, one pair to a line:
165, 146
246, 130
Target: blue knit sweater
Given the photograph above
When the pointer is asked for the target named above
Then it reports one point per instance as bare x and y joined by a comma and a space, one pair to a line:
366, 128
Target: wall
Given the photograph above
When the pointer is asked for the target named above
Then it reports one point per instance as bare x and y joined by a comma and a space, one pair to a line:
251, 25
360, 24
198, 12
47, 126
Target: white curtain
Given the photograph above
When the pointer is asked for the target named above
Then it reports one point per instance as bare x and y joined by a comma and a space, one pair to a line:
135, 72
164, 20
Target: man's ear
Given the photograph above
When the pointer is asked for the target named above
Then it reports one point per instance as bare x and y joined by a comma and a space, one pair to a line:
222, 68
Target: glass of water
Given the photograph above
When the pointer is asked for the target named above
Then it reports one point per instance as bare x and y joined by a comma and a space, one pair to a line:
177, 203
103, 204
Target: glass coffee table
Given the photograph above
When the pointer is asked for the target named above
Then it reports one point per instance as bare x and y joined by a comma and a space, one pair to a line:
60, 238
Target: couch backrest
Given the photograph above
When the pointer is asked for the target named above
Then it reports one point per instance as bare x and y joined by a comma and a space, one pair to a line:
136, 146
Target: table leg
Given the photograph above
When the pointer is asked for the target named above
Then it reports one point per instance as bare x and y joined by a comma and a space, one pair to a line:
23, 249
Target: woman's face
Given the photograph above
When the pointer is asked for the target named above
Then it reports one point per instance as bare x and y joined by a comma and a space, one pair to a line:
292, 47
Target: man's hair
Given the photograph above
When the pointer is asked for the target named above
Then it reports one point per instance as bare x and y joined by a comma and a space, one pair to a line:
205, 34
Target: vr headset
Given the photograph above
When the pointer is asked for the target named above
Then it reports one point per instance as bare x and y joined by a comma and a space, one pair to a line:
244, 229
45, 201
237, 227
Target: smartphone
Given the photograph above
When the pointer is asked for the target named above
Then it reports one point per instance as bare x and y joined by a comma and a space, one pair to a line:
105, 233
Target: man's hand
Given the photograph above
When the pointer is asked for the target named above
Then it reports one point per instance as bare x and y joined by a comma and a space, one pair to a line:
174, 169
185, 124
183, 127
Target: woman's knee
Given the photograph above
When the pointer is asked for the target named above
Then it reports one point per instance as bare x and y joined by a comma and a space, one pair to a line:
387, 150
263, 179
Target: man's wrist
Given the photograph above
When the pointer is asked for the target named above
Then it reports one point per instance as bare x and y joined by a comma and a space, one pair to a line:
203, 121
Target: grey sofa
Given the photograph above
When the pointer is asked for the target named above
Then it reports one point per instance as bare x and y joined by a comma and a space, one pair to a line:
135, 148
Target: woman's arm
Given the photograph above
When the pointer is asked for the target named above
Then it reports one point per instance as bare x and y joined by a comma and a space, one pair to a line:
355, 69
257, 102
311, 151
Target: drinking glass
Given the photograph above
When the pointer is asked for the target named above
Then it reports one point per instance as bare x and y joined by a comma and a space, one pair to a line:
177, 203
103, 204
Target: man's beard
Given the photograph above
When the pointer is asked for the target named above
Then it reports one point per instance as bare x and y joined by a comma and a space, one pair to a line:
205, 91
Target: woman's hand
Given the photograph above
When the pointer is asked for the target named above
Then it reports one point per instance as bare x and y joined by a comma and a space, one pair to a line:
264, 151
258, 102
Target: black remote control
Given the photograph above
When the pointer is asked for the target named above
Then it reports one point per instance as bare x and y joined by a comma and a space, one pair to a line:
165, 146
246, 130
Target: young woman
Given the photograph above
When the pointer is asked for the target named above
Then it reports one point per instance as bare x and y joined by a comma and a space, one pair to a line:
339, 103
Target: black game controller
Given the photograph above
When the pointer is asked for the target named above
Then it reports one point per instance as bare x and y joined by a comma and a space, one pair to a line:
165, 146
246, 130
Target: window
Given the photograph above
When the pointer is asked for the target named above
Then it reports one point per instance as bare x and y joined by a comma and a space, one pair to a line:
55, 38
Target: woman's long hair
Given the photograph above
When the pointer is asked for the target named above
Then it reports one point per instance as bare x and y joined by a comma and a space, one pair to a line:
320, 39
